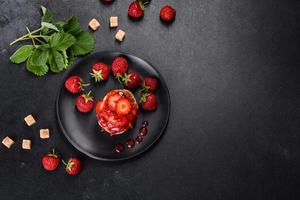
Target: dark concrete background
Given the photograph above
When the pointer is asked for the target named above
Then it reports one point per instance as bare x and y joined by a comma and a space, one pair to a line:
232, 68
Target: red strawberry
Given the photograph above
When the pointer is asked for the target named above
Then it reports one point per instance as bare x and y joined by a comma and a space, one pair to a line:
73, 167
149, 102
123, 106
136, 8
167, 14
74, 84
50, 161
107, 1
119, 66
85, 102
149, 84
100, 71
132, 80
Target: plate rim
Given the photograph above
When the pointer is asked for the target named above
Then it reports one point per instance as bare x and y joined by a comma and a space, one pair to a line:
162, 81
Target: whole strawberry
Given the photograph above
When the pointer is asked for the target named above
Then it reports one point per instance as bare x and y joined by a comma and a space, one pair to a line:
136, 8
73, 166
85, 103
149, 102
107, 1
100, 71
149, 84
74, 84
167, 13
50, 161
119, 66
132, 80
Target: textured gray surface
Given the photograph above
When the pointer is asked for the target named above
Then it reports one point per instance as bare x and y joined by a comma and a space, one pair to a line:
232, 68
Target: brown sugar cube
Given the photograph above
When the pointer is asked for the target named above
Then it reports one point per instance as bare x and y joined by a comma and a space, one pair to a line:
120, 35
94, 24
7, 142
26, 144
113, 22
29, 120
44, 133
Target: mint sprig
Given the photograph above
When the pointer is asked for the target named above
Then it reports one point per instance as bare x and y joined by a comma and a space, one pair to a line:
54, 45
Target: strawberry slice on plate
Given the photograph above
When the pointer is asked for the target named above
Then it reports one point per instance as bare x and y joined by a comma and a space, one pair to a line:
123, 106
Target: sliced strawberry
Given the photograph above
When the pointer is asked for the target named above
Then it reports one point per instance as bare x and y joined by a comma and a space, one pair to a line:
112, 101
123, 106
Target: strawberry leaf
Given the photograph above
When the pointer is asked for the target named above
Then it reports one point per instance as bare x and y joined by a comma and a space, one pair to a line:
61, 41
49, 26
39, 56
84, 44
22, 54
56, 61
72, 26
47, 15
70, 58
36, 63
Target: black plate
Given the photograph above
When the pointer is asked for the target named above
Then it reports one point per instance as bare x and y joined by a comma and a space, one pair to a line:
82, 130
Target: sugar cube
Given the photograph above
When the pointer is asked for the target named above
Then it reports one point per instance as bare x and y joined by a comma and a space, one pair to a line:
94, 24
44, 133
120, 35
113, 22
26, 144
29, 120
7, 141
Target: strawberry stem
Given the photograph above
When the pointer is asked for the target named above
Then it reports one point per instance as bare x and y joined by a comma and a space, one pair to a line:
25, 36
64, 162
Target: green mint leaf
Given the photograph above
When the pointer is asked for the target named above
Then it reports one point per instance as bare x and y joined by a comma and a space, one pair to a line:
61, 41
49, 26
38, 70
72, 26
22, 54
56, 61
84, 44
47, 15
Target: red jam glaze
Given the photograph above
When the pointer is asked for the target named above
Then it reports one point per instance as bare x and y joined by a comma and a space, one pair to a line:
119, 148
107, 117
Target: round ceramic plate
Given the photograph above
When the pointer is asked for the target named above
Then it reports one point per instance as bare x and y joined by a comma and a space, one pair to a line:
82, 129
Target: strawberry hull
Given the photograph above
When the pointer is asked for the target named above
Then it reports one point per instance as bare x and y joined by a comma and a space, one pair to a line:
109, 119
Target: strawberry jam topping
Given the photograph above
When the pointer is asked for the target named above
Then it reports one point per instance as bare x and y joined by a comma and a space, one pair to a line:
118, 112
